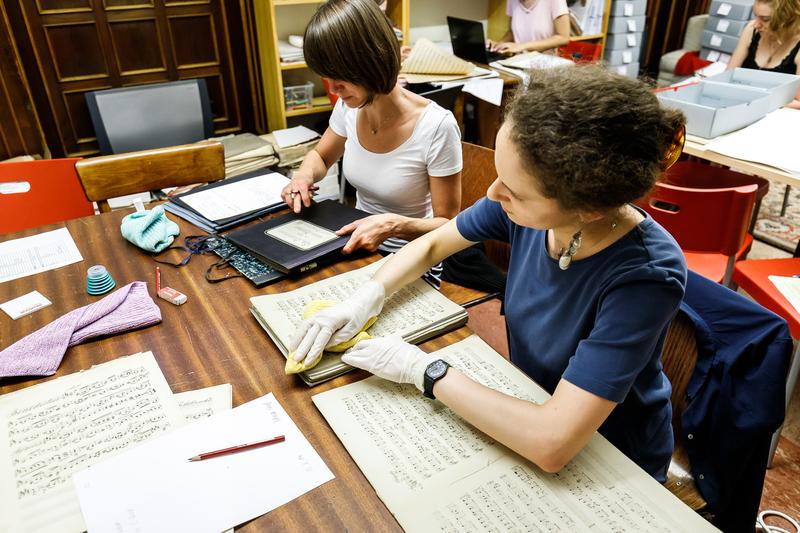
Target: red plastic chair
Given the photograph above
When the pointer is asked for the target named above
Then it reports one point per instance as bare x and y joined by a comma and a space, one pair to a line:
710, 225
36, 193
753, 277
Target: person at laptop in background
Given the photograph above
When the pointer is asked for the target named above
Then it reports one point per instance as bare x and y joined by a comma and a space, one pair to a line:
401, 151
771, 41
593, 281
534, 26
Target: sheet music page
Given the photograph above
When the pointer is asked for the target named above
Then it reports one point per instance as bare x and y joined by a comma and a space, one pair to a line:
52, 430
38, 253
302, 234
203, 403
155, 488
427, 58
435, 472
238, 197
409, 309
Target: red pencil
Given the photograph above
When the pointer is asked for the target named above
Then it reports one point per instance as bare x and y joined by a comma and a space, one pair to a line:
158, 279
239, 448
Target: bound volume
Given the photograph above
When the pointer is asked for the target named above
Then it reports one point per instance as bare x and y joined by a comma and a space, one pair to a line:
416, 312
294, 243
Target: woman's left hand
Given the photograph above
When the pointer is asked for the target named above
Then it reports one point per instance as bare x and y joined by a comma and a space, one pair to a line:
369, 232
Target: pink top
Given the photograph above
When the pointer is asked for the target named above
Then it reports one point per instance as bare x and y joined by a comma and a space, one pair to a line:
534, 23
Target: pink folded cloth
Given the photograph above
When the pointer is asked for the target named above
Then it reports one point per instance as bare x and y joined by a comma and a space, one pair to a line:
40, 353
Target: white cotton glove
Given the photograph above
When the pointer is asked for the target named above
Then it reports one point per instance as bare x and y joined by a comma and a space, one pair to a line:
391, 358
337, 324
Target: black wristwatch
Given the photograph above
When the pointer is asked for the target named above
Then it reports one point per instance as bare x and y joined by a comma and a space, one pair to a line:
435, 371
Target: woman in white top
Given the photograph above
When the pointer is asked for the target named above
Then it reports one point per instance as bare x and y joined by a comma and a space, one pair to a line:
534, 26
401, 151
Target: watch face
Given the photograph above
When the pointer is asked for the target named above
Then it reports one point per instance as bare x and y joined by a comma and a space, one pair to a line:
437, 369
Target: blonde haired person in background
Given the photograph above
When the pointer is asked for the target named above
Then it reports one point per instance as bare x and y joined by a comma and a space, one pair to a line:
534, 26
771, 41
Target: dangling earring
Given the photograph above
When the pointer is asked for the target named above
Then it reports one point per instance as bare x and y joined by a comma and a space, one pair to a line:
565, 256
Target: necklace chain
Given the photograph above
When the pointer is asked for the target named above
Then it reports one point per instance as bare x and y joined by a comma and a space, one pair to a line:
565, 254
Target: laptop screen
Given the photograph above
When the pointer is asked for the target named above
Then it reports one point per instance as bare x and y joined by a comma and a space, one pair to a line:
468, 39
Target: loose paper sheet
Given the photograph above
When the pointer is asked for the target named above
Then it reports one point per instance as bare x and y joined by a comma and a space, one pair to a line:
535, 60
238, 197
490, 90
52, 430
38, 253
770, 141
155, 488
427, 58
292, 136
25, 304
204, 403
302, 234
435, 472
789, 287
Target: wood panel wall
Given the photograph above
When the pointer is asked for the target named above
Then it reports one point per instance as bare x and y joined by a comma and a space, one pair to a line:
75, 46
666, 25
20, 132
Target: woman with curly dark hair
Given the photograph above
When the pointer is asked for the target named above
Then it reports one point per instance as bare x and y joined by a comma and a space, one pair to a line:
593, 281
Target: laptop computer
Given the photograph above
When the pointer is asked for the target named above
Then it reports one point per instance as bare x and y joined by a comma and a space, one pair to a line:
469, 41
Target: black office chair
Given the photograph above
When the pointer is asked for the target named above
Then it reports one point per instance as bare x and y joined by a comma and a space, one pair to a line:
444, 97
144, 117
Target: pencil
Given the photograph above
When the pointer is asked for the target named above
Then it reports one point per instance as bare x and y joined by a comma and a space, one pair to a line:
239, 448
158, 279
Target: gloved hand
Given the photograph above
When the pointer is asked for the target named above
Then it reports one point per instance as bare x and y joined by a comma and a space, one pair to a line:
391, 358
337, 324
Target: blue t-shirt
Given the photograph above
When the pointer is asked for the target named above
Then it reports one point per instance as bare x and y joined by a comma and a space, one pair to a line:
600, 324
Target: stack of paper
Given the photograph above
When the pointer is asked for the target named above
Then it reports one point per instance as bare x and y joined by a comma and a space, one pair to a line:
289, 53
589, 15
225, 204
417, 312
245, 152
51, 431
429, 63
289, 156
535, 60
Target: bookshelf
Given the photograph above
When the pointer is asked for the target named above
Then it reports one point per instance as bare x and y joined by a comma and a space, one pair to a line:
498, 24
277, 19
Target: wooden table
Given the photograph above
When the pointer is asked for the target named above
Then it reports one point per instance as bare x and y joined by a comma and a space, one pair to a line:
211, 340
698, 149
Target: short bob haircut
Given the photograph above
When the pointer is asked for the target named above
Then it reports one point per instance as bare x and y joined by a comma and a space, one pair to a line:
593, 139
353, 41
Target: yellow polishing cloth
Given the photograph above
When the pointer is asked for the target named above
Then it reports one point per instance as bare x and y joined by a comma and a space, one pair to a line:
314, 307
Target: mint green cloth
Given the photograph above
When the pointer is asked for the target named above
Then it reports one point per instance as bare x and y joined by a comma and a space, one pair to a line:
149, 230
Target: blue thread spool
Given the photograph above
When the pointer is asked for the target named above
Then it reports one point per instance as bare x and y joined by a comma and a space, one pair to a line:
98, 280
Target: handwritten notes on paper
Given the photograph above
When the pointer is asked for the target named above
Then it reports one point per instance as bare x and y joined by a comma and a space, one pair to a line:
50, 431
302, 234
435, 472
38, 253
154, 488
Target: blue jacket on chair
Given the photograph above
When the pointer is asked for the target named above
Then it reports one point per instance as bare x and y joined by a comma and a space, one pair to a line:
736, 398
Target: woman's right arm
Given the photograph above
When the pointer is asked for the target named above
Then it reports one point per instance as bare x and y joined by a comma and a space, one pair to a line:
313, 168
740, 53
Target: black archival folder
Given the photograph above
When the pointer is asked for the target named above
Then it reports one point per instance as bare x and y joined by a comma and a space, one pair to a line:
294, 243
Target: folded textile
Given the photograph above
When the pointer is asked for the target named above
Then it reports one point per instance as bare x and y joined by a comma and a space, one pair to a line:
149, 230
689, 63
40, 353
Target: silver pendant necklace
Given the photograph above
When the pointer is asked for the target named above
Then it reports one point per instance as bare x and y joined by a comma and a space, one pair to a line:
565, 254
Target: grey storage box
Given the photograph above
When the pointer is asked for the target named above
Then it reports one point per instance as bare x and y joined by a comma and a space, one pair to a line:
616, 41
780, 87
623, 56
726, 26
715, 55
713, 109
717, 41
628, 8
732, 9
631, 69
625, 24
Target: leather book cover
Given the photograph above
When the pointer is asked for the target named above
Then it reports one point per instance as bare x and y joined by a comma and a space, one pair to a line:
294, 243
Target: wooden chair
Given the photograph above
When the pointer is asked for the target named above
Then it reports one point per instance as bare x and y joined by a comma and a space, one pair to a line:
479, 172
35, 193
679, 358
110, 176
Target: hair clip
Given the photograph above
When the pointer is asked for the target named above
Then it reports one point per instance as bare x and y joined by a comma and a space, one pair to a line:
675, 149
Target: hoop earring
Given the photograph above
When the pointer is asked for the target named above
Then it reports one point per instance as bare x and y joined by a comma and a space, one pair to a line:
565, 256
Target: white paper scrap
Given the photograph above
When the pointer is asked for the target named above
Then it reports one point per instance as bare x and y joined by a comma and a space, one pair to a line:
723, 25
627, 9
38, 253
155, 488
293, 136
25, 304
724, 9
789, 287
490, 90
